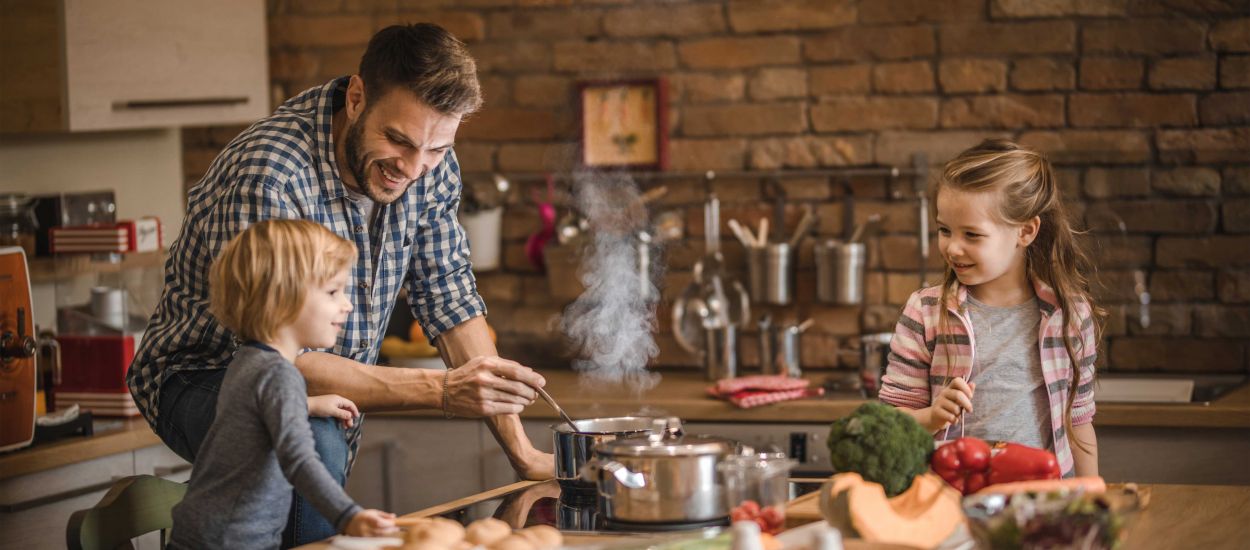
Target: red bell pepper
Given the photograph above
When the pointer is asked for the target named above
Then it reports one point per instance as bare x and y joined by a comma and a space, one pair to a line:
963, 463
1020, 463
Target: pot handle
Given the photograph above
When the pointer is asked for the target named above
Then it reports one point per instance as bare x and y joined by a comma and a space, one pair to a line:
596, 470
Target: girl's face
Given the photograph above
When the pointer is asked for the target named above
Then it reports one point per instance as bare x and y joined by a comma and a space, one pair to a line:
983, 251
324, 313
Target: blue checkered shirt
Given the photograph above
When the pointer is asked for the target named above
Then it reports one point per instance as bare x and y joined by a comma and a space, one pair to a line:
283, 167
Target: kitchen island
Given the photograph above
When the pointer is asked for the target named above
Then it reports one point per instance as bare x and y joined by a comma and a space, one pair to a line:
1176, 516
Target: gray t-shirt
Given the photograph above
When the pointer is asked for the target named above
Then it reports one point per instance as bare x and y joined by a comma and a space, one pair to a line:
239, 495
1010, 402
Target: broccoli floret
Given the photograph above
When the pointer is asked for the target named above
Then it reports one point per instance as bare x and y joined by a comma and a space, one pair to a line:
882, 444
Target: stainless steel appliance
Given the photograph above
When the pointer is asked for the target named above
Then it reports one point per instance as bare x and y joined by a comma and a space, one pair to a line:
574, 449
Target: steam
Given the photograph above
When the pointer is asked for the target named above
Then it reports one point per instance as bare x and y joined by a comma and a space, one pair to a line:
610, 325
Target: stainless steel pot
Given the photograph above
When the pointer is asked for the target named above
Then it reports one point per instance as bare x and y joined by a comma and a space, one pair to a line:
661, 478
574, 449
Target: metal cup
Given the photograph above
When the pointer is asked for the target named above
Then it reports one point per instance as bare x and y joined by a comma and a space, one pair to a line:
840, 272
874, 356
771, 270
720, 352
780, 351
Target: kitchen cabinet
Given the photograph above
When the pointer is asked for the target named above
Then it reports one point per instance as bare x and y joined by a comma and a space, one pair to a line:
35, 508
85, 65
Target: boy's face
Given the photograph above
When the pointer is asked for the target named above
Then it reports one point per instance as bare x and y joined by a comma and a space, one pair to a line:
324, 313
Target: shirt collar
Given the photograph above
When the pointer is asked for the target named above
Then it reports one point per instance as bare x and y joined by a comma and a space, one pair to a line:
331, 98
1047, 300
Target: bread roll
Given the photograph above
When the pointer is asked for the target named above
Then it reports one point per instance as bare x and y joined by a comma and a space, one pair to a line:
487, 531
438, 531
544, 537
514, 542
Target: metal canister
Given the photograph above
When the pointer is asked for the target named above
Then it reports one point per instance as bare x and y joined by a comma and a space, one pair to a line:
840, 272
771, 271
874, 356
720, 352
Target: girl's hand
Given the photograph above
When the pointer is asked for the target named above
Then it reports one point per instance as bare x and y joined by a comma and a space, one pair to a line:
949, 404
370, 523
333, 406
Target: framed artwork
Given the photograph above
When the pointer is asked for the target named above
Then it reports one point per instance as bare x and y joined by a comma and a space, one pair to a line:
624, 124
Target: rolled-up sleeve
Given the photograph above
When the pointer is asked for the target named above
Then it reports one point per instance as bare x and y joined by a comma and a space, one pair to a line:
1083, 407
906, 380
441, 288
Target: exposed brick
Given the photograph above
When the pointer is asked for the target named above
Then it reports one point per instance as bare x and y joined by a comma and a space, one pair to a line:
896, 148
1152, 216
705, 87
811, 152
1111, 73
1213, 251
778, 83
1115, 324
505, 124
514, 24
537, 157
739, 52
834, 319
786, 15
903, 77
1105, 183
1165, 320
1220, 321
917, 11
1113, 287
499, 288
900, 286
1236, 181
673, 20
542, 91
1204, 146
1226, 108
1153, 354
1232, 35
293, 65
1042, 74
1183, 73
1056, 8
896, 216
839, 79
744, 119
1191, 182
1235, 71
874, 113
808, 189
496, 91
1114, 250
1143, 36
467, 26
1135, 110
475, 156
1003, 111
870, 43
1236, 214
902, 252
515, 258
881, 318
580, 55
320, 31
972, 75
1008, 38
1080, 146
512, 56
829, 220
707, 154
821, 350
1182, 286
1234, 286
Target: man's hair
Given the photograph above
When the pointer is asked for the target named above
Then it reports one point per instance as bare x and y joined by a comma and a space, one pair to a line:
428, 61
258, 282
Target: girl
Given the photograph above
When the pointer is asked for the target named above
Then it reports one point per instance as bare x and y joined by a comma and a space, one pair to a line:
279, 286
1008, 355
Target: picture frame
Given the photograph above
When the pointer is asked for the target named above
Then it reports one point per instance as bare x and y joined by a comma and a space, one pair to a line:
623, 124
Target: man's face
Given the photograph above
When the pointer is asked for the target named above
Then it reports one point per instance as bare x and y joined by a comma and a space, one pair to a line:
394, 141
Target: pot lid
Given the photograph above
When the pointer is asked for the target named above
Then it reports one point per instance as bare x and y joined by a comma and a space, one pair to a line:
687, 445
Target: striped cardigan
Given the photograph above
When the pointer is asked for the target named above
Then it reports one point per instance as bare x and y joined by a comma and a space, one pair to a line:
921, 359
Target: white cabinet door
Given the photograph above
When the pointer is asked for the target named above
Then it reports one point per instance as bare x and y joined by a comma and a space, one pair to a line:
156, 63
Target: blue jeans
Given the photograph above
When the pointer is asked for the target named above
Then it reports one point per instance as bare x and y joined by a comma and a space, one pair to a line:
188, 405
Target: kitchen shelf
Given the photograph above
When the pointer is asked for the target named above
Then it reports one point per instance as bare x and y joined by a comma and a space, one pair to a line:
48, 270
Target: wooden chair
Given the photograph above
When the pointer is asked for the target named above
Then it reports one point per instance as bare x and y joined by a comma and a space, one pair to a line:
134, 506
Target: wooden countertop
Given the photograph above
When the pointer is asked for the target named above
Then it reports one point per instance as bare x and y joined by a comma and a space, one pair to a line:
112, 436
1177, 516
683, 394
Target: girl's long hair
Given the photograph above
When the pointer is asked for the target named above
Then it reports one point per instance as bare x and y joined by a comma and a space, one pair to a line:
1025, 185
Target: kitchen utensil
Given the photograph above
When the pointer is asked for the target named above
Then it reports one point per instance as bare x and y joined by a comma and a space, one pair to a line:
762, 479
559, 410
770, 271
17, 351
661, 478
574, 446
744, 235
800, 231
668, 226
874, 356
767, 345
840, 272
711, 302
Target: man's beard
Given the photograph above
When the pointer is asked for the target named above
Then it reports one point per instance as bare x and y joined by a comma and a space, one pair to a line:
357, 167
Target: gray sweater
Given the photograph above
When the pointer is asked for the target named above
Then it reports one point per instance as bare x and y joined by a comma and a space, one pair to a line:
239, 495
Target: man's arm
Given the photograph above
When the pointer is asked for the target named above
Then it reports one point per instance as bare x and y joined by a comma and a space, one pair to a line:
371, 387
469, 344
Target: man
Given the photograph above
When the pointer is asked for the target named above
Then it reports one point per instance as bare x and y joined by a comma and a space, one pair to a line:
370, 157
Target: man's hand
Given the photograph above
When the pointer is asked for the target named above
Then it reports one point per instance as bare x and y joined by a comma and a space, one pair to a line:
333, 406
491, 386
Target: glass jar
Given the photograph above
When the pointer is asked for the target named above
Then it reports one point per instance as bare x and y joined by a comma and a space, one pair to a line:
757, 487
18, 225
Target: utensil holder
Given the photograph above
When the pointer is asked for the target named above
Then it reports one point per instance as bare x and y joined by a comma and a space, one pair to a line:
482, 229
720, 352
840, 272
780, 351
771, 271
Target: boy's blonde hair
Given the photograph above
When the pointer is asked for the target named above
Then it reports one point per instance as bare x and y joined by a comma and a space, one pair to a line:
258, 282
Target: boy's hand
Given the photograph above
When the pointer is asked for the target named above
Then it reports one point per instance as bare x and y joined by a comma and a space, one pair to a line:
949, 404
333, 406
370, 523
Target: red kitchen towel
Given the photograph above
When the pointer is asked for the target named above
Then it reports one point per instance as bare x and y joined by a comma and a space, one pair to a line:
753, 391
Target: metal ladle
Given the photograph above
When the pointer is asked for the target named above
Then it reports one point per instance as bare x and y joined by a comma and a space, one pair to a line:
563, 415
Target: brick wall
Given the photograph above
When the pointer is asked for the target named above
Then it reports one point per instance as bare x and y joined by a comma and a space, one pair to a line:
1144, 106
